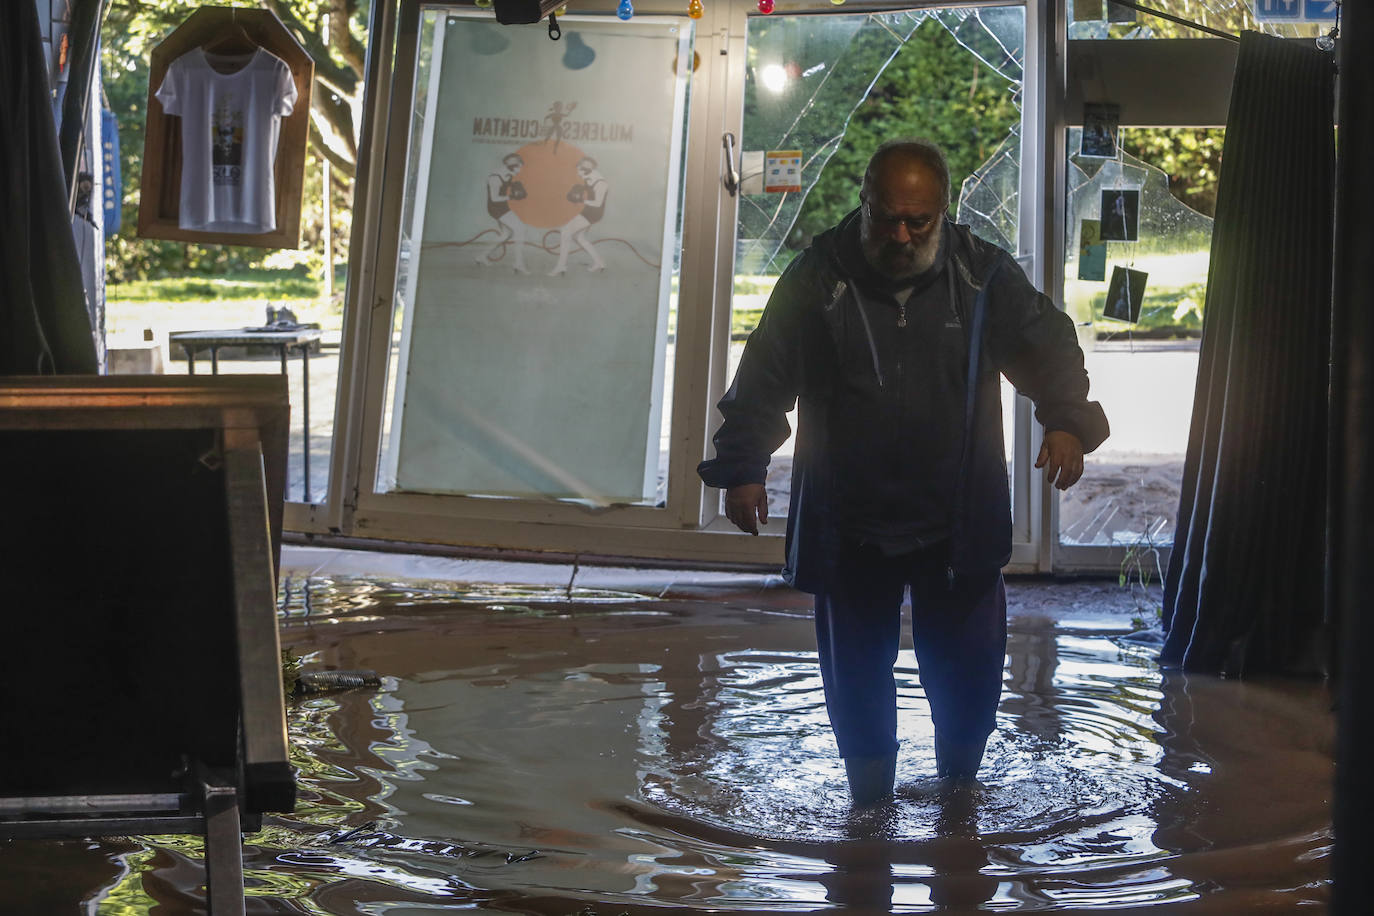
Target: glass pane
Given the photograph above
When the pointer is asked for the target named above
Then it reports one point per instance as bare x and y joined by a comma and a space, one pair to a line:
1142, 370
829, 89
1104, 19
536, 270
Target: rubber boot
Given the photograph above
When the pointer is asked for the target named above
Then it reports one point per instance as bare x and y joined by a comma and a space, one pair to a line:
958, 760
870, 779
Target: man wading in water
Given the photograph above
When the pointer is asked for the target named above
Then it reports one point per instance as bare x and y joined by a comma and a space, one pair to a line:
890, 332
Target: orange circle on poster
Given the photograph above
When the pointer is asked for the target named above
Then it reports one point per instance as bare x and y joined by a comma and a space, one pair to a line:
548, 174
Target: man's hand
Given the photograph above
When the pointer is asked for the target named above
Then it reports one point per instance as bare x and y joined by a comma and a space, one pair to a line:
1061, 455
747, 504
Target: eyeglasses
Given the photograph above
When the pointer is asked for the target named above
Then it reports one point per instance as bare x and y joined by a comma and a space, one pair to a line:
914, 224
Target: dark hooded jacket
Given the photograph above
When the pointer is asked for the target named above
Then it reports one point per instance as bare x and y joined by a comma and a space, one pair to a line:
803, 350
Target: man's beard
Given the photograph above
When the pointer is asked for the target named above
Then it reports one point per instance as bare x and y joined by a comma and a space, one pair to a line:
902, 260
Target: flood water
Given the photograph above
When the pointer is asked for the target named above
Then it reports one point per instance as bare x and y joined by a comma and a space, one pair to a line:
594, 752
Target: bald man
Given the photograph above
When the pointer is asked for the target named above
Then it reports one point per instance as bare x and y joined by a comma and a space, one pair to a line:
890, 333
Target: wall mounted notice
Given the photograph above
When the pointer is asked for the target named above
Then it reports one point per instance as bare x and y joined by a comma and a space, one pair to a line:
782, 171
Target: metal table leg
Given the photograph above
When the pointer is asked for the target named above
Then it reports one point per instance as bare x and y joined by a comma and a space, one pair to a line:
223, 849
305, 417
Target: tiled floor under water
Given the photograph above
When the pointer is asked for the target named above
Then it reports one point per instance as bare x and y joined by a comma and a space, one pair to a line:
606, 742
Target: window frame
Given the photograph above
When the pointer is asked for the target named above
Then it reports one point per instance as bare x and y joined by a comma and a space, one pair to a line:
688, 528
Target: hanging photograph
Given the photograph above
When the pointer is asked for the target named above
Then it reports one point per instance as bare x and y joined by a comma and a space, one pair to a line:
1092, 251
1087, 10
537, 280
1118, 13
1101, 121
1120, 215
1125, 294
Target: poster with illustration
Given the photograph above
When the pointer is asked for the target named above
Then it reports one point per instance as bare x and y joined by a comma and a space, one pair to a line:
540, 257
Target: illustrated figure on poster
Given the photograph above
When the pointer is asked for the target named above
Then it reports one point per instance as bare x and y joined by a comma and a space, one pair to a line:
591, 194
1120, 213
502, 188
553, 122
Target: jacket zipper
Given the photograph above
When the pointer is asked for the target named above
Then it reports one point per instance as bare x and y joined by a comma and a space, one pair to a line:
868, 330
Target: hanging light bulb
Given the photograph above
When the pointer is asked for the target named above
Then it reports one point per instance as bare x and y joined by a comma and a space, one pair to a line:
625, 10
694, 9
484, 4
765, 6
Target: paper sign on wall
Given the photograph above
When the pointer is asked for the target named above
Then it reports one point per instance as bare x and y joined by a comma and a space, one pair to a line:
782, 171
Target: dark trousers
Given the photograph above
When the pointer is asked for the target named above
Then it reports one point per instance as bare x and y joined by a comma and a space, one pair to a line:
959, 632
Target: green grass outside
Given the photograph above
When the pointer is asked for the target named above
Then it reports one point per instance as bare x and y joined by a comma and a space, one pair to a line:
278, 286
1175, 292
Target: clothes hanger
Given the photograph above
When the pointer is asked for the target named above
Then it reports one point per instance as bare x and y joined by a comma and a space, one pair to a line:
235, 40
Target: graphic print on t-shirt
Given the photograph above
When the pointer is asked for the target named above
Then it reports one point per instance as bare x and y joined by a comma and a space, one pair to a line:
226, 141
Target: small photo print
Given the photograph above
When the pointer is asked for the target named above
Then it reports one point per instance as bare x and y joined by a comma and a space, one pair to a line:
1087, 10
1125, 294
1101, 121
1119, 13
1092, 251
1120, 215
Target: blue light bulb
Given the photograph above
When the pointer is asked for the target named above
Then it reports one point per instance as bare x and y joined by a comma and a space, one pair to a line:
625, 10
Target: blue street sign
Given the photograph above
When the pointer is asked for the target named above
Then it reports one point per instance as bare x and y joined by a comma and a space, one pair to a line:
1320, 10
1278, 10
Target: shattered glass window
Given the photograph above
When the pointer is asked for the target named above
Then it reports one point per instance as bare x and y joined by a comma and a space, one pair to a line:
806, 78
825, 90
1173, 246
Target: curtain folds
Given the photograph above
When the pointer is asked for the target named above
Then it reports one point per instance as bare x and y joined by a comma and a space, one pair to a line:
44, 325
1244, 593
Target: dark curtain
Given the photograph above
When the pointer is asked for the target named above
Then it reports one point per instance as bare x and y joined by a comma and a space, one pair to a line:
1244, 593
1353, 460
44, 325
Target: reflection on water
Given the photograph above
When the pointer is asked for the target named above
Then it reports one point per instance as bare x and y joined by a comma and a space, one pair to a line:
606, 753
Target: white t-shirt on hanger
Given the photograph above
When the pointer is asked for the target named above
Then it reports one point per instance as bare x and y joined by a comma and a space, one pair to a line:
229, 127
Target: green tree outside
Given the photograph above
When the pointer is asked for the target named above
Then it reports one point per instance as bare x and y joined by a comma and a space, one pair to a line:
334, 33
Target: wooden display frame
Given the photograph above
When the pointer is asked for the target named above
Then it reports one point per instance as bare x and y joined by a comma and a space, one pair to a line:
160, 199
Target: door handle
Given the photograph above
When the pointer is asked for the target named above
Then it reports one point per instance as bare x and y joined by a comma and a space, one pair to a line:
731, 176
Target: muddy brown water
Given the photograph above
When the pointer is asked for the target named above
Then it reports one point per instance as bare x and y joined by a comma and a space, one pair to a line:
594, 752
